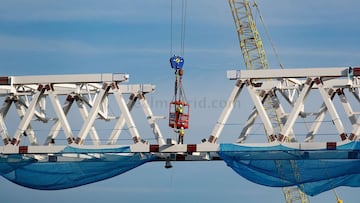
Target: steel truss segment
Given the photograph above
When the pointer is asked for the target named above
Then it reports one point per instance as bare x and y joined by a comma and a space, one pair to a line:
329, 82
291, 89
30, 94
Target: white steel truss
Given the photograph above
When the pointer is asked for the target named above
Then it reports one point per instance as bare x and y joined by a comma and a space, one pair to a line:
294, 85
32, 95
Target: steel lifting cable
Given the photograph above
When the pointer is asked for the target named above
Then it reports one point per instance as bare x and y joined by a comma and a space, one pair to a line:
171, 28
182, 28
268, 35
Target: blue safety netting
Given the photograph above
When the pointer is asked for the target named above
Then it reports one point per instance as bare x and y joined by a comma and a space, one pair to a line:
281, 166
71, 168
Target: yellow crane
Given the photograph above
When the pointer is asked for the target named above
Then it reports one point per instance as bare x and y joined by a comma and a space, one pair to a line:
254, 55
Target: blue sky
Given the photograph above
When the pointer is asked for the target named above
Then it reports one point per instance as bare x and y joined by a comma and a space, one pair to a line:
89, 36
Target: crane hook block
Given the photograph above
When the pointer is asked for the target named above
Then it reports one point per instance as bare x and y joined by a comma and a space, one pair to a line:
176, 62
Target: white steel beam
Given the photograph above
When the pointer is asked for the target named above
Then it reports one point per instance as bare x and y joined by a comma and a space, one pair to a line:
347, 107
287, 73
85, 114
69, 79
61, 114
67, 89
57, 125
280, 113
29, 132
281, 116
248, 126
190, 151
285, 132
355, 134
25, 121
316, 123
90, 102
25, 103
226, 112
332, 110
125, 111
258, 102
89, 121
121, 122
151, 119
355, 122
3, 112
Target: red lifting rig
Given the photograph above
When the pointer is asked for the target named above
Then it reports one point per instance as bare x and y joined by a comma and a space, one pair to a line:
179, 114
179, 109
